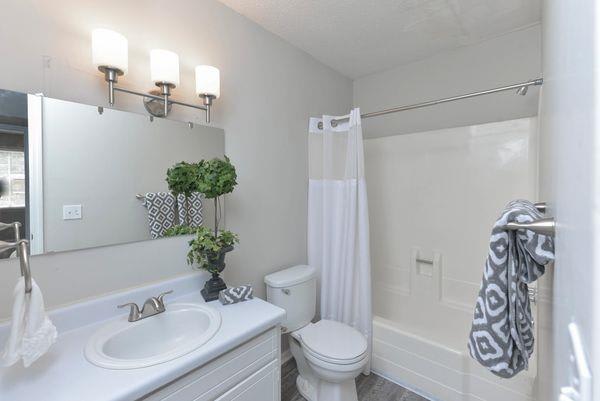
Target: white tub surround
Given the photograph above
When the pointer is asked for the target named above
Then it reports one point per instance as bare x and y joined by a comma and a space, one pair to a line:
434, 197
248, 329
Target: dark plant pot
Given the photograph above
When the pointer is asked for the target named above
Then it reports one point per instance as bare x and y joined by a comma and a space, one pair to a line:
212, 287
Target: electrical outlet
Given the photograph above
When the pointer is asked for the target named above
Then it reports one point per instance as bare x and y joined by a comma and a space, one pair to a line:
71, 212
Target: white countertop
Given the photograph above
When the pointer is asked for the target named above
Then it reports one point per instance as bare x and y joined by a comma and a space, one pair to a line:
64, 374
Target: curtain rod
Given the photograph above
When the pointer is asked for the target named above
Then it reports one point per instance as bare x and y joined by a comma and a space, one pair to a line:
521, 90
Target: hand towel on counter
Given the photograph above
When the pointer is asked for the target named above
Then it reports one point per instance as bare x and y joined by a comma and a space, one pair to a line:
501, 337
31, 333
190, 212
161, 212
236, 294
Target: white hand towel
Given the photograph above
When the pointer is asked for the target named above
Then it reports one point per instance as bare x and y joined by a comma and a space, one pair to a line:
32, 333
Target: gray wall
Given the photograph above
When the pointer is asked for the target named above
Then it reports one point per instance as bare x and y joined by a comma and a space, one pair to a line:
102, 161
269, 89
507, 59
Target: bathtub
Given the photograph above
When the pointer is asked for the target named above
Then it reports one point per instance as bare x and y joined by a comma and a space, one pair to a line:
439, 368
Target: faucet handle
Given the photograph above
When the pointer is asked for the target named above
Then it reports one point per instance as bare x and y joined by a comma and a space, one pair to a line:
161, 297
134, 311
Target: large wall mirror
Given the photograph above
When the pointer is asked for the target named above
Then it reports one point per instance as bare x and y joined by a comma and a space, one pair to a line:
77, 176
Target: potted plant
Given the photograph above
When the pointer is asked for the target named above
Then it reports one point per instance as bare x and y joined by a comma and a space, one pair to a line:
182, 178
215, 178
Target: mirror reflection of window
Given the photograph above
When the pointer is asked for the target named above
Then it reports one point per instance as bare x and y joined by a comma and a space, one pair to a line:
13, 140
12, 175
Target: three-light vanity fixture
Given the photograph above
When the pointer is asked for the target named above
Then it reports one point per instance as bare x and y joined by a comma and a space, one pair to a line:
110, 56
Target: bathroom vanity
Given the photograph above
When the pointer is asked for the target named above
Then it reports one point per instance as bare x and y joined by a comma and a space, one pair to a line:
240, 362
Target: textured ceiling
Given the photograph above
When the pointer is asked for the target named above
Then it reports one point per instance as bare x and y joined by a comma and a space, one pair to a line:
361, 37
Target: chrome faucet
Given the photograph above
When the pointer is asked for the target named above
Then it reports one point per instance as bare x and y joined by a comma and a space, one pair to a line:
152, 306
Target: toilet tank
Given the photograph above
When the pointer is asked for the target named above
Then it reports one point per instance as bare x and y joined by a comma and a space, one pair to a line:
295, 290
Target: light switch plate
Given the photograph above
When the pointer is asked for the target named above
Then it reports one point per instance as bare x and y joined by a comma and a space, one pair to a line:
71, 212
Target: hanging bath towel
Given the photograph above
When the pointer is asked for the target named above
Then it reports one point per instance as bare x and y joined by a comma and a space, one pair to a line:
501, 337
161, 212
190, 211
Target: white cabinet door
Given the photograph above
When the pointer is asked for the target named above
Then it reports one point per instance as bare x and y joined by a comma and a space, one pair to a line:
261, 386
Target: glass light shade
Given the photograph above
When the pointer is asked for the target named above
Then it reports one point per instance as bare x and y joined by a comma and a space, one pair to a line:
208, 81
164, 66
109, 49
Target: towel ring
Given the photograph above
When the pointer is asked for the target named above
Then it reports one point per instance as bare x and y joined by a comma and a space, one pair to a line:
20, 245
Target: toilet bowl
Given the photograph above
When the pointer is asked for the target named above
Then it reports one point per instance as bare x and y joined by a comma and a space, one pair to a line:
335, 354
329, 354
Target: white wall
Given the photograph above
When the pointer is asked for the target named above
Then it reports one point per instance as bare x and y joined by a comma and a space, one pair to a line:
508, 59
569, 181
269, 89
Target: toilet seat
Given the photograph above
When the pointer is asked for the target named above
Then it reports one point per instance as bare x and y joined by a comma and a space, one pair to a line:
333, 342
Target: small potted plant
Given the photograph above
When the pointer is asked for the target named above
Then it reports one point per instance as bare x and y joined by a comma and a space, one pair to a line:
182, 178
215, 178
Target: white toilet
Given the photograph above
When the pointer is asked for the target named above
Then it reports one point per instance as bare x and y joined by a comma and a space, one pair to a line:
329, 354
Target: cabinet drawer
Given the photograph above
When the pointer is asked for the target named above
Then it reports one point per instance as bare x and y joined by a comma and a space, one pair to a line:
210, 381
261, 386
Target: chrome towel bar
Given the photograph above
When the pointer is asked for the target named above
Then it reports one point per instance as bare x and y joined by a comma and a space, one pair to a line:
542, 226
540, 206
546, 226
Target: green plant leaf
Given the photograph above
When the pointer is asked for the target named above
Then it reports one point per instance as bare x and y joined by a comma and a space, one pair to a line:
216, 177
182, 178
205, 247
179, 230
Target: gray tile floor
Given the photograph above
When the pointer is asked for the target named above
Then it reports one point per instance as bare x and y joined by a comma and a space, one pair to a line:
369, 388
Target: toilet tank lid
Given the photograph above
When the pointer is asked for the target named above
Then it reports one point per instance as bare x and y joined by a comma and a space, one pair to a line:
291, 276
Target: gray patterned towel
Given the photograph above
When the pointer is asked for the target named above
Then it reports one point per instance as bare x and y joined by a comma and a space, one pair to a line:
501, 337
190, 212
236, 294
161, 212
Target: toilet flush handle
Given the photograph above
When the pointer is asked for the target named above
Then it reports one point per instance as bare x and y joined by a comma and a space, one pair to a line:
286, 291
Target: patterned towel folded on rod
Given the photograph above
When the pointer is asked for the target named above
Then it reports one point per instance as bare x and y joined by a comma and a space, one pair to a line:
236, 294
501, 337
161, 212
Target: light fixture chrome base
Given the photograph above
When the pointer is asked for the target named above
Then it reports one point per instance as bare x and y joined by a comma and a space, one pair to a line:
154, 106
111, 75
155, 100
207, 101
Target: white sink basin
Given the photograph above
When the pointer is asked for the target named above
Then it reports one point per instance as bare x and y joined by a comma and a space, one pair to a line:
179, 330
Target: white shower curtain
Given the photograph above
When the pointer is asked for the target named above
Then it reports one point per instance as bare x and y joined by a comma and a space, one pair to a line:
338, 222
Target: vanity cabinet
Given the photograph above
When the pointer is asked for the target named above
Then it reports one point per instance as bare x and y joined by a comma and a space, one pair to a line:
249, 372
262, 385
